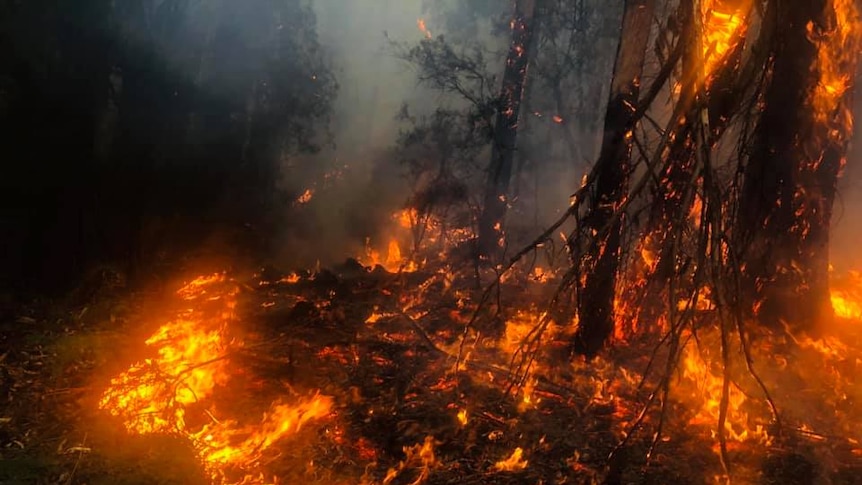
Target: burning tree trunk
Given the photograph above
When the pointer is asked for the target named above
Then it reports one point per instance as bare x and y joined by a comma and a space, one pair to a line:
798, 151
600, 262
506, 129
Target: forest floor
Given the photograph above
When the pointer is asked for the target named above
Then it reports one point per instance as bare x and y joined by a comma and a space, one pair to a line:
383, 347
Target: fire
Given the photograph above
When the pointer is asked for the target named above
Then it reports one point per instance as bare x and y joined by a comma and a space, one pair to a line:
406, 218
515, 462
393, 258
837, 52
190, 364
708, 398
290, 279
462, 417
542, 275
519, 328
281, 421
419, 457
393, 262
844, 308
423, 28
721, 29
305, 197
846, 296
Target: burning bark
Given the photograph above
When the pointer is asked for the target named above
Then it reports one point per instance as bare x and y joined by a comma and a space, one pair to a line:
600, 263
506, 130
798, 151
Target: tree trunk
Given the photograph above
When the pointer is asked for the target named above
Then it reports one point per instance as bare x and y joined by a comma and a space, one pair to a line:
506, 130
791, 178
600, 263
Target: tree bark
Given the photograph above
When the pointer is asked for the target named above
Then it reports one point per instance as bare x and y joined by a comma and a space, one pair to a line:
506, 130
791, 178
600, 263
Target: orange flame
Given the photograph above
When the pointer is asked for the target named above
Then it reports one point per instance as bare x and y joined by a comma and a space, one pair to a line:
838, 50
846, 296
515, 462
708, 398
155, 395
721, 29
305, 197
423, 28
418, 456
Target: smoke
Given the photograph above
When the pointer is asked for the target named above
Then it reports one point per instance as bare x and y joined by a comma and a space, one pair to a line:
846, 229
358, 183
358, 180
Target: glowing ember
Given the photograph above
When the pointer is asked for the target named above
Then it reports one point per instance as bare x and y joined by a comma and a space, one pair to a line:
846, 309
190, 364
305, 197
515, 462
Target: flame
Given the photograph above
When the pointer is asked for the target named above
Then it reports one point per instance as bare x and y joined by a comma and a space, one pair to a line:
191, 362
721, 29
406, 218
519, 328
280, 421
844, 308
305, 197
290, 279
394, 261
837, 53
846, 295
419, 456
423, 28
542, 275
462, 417
393, 258
708, 399
515, 462
528, 400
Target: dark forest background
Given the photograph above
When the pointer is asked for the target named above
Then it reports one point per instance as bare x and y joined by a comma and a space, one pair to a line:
136, 133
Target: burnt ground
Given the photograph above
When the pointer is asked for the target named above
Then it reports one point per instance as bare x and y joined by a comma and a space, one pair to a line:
392, 383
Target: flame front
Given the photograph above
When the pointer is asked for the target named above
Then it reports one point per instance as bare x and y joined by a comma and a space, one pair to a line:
190, 363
